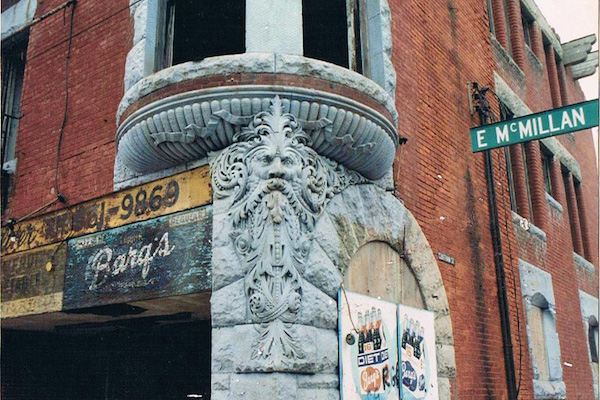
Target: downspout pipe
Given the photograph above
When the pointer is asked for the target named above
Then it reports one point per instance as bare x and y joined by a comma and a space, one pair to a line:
483, 110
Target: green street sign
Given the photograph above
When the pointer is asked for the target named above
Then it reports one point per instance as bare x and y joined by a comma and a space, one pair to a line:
558, 121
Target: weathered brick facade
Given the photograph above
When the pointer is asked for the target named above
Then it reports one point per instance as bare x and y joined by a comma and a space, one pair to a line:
438, 48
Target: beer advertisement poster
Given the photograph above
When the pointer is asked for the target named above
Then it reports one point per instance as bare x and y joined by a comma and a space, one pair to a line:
368, 348
416, 342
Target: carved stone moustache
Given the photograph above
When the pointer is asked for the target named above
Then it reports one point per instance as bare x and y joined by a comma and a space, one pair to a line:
278, 186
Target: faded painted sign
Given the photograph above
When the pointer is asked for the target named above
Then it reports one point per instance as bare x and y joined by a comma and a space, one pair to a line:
166, 256
176, 193
368, 348
387, 350
417, 354
32, 282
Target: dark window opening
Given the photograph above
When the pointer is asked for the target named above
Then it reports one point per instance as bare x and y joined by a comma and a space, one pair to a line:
546, 165
14, 52
507, 27
325, 31
527, 26
199, 29
585, 251
593, 341
145, 361
491, 16
13, 69
527, 187
506, 114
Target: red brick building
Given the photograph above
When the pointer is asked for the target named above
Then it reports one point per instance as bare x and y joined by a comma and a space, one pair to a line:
134, 132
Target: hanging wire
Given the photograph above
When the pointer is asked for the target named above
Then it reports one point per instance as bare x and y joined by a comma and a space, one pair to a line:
349, 313
66, 105
95, 24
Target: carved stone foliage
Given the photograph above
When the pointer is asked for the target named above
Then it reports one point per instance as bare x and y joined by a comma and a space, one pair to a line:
278, 186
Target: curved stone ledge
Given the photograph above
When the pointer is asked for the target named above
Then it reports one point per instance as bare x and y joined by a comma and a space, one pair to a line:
190, 125
257, 63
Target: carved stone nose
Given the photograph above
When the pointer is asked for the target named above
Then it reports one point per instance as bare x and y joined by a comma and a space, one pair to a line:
276, 170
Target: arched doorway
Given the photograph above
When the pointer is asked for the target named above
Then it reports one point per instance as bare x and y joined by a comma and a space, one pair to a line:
377, 270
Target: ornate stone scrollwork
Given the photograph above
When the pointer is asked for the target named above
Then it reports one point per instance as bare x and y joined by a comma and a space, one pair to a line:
278, 186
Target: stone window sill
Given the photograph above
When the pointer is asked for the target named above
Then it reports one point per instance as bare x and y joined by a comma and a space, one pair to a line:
505, 55
535, 60
554, 389
526, 226
582, 263
554, 203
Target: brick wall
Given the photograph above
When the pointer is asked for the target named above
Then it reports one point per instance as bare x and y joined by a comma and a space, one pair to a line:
95, 89
437, 50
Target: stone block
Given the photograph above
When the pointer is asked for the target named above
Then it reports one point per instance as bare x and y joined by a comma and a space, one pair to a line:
140, 18
443, 329
318, 309
226, 267
263, 386
274, 26
327, 351
135, 64
219, 395
549, 389
234, 351
319, 381
223, 351
321, 272
446, 364
318, 394
327, 238
444, 391
220, 382
229, 306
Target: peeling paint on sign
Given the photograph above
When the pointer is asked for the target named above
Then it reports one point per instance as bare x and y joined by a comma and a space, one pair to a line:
33, 281
165, 196
166, 256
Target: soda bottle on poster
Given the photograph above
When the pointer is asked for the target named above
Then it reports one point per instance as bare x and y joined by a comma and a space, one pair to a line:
369, 332
404, 332
361, 334
377, 333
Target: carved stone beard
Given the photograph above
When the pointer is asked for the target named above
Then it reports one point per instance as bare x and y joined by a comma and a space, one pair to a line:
278, 186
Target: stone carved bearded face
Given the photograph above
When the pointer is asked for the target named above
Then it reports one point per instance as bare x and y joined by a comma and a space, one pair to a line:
277, 187
272, 154
275, 159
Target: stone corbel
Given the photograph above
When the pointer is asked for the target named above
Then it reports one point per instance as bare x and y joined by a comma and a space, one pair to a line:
275, 187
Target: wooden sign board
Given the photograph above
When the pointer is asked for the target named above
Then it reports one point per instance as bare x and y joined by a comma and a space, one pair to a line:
167, 256
165, 196
32, 282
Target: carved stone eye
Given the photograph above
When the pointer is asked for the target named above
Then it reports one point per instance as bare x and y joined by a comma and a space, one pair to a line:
287, 161
266, 159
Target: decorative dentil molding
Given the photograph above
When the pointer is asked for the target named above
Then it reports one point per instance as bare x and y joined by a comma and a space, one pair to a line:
278, 186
